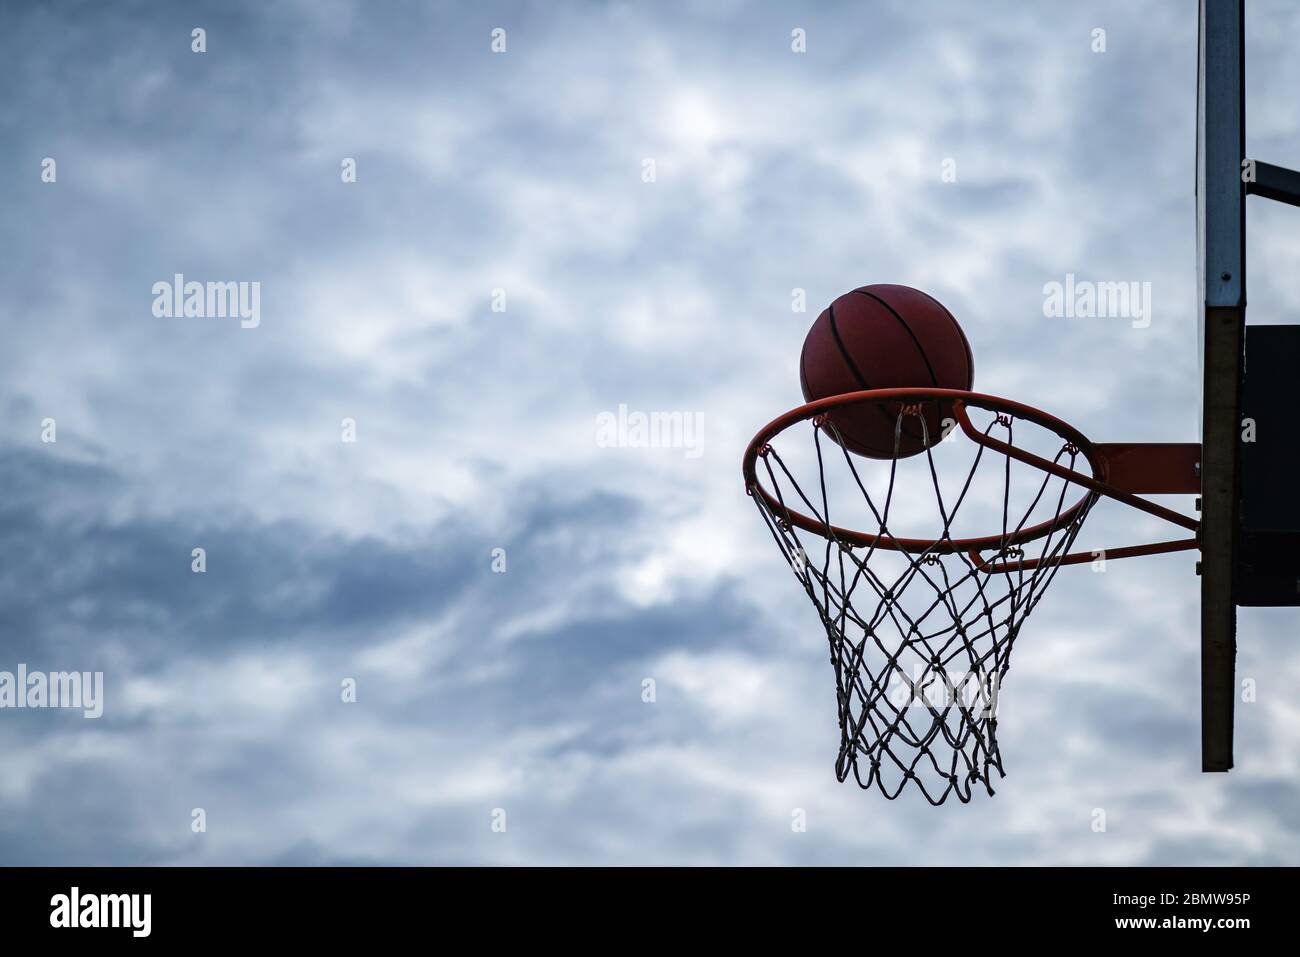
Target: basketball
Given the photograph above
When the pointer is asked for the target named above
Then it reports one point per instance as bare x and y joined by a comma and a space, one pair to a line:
885, 337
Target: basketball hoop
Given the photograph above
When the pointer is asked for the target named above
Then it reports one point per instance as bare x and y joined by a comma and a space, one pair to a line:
939, 611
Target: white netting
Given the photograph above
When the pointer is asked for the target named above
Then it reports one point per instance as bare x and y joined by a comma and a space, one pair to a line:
920, 636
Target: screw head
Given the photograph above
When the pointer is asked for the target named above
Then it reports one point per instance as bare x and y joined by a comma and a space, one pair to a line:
1227, 276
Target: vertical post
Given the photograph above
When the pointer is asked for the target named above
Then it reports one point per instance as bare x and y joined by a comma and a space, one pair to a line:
1221, 232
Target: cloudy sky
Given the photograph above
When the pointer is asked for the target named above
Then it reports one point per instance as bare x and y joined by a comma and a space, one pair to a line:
500, 275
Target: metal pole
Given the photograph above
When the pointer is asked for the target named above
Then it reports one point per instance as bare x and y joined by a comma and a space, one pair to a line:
1221, 209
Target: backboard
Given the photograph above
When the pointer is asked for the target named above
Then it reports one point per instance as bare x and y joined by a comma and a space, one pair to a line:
1221, 291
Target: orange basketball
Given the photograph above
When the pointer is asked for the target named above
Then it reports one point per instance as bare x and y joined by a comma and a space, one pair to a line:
885, 337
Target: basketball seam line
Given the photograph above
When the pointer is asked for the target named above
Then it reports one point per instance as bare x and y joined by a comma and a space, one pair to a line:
862, 381
970, 356
952, 320
934, 380
844, 353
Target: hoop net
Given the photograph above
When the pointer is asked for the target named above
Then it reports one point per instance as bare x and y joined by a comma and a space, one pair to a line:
921, 629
